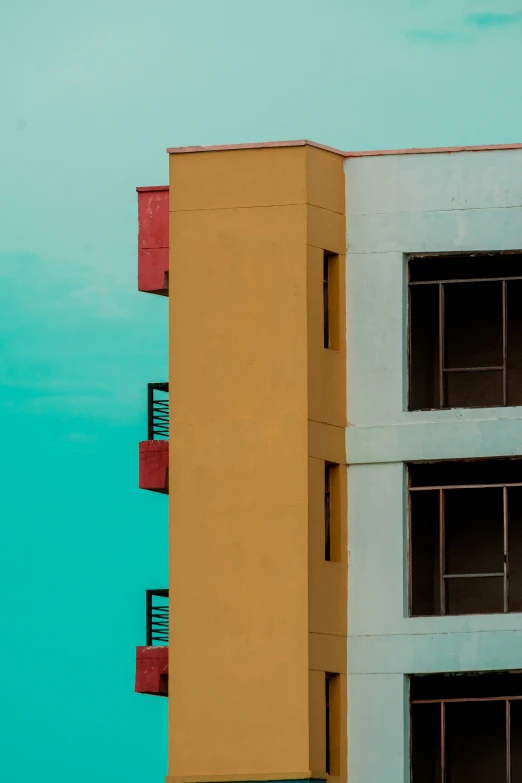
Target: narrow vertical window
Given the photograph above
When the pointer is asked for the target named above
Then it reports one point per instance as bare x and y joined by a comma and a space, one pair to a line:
327, 679
326, 301
332, 723
327, 512
332, 512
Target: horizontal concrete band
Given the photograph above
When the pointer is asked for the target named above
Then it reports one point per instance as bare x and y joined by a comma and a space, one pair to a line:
411, 653
439, 439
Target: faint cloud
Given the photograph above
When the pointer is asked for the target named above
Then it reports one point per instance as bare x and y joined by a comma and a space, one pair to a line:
436, 36
465, 28
487, 20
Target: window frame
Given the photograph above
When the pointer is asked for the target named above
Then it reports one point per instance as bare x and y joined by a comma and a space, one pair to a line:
443, 371
443, 701
443, 577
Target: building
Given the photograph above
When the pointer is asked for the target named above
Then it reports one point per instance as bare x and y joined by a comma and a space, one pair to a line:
343, 465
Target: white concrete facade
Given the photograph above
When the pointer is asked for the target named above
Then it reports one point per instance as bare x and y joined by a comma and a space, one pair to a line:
398, 205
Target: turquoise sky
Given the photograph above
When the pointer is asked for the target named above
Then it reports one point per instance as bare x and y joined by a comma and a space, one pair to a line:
92, 93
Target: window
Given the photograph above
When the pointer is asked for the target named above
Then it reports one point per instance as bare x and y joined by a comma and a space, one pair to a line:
331, 297
326, 302
466, 728
327, 512
332, 512
327, 722
332, 724
465, 331
465, 537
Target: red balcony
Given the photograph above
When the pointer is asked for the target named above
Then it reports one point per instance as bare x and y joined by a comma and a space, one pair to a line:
154, 452
153, 239
154, 465
152, 662
152, 671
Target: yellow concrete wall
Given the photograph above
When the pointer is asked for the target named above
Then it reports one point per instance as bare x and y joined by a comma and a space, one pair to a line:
243, 227
327, 581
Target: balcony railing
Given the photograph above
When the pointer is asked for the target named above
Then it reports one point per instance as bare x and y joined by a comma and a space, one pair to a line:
158, 411
157, 617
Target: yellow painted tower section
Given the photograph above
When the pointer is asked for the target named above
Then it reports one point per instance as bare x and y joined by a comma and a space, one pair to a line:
257, 418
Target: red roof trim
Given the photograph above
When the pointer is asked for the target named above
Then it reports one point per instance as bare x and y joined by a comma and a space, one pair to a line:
152, 187
345, 154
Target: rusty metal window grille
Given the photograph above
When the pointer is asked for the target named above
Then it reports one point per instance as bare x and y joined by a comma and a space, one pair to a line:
157, 617
466, 728
326, 301
158, 411
327, 512
465, 537
465, 331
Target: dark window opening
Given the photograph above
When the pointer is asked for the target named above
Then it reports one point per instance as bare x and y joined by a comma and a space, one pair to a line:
331, 301
326, 301
332, 512
465, 537
466, 728
327, 679
327, 512
465, 331
332, 727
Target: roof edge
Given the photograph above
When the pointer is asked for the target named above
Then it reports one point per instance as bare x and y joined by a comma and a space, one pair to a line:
343, 153
255, 146
432, 150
